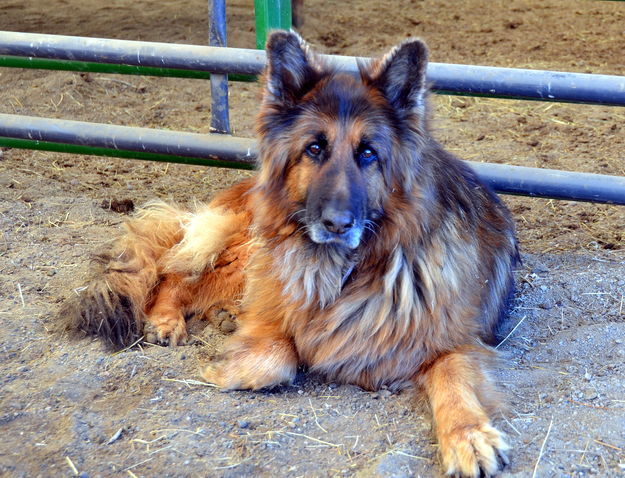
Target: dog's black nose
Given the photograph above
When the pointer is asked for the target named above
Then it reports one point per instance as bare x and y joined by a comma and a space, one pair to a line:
337, 222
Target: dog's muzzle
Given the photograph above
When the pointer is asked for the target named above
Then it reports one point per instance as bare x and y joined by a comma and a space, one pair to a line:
337, 226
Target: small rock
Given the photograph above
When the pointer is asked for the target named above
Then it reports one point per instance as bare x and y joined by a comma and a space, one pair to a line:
512, 25
547, 304
123, 206
243, 423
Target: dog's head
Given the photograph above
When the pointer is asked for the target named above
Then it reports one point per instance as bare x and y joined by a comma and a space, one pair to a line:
329, 141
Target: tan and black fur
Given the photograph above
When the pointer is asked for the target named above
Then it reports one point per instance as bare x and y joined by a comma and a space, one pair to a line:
361, 250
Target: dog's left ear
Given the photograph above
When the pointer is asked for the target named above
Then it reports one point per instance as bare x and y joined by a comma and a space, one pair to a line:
400, 76
290, 70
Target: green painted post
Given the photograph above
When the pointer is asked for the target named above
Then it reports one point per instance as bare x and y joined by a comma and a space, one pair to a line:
270, 15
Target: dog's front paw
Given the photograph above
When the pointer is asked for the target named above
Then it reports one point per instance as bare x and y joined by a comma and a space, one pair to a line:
225, 376
253, 365
250, 373
473, 451
165, 330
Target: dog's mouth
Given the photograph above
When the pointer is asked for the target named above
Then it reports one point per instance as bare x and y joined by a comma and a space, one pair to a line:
349, 237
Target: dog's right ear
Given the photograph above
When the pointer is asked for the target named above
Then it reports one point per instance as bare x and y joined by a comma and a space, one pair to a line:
290, 72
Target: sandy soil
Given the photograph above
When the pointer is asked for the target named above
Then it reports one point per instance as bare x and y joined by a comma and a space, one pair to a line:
74, 408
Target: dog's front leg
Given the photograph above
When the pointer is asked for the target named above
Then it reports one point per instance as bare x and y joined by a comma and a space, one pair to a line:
257, 356
457, 388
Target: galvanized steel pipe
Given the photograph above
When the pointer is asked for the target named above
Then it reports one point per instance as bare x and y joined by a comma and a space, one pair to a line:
220, 111
444, 78
505, 179
175, 143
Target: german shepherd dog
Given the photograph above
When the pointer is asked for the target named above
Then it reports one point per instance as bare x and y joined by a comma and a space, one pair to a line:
361, 250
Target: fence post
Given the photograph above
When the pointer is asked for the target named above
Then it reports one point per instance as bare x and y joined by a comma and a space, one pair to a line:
271, 14
220, 119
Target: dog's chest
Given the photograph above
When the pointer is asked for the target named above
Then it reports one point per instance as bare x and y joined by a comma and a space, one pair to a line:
310, 277
361, 342
354, 325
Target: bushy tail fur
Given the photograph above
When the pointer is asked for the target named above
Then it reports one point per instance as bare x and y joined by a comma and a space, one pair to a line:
112, 305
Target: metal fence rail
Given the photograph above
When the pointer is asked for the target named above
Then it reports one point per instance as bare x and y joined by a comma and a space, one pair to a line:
125, 141
228, 151
133, 57
445, 78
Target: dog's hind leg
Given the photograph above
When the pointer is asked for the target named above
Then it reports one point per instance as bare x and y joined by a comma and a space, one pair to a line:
460, 393
165, 322
123, 277
201, 272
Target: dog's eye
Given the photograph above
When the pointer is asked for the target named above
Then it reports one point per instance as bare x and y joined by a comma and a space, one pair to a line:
366, 155
314, 149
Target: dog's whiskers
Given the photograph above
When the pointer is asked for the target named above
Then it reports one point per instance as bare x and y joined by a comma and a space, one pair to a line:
303, 227
296, 213
370, 226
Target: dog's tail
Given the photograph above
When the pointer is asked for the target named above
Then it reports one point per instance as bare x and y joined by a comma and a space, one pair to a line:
112, 305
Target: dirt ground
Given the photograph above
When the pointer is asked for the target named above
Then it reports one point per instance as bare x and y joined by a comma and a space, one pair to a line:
74, 408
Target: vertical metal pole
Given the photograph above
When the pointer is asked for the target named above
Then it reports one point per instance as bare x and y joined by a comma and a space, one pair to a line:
220, 121
270, 15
